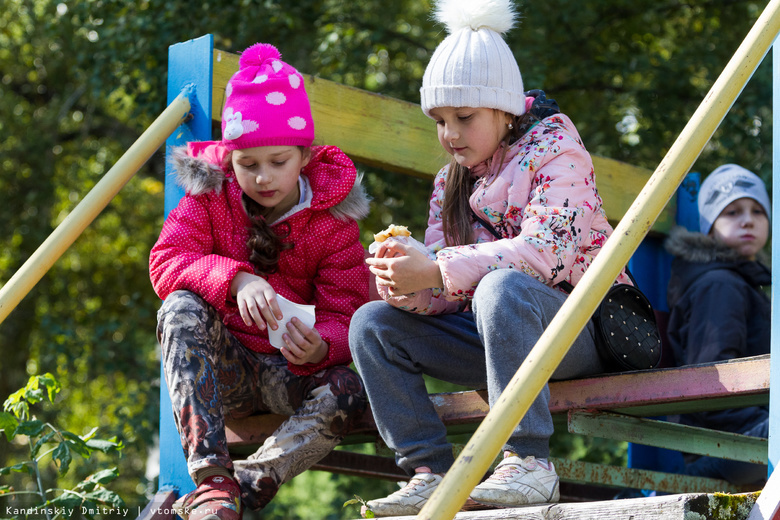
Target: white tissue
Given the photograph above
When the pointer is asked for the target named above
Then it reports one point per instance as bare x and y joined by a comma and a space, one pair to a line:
290, 310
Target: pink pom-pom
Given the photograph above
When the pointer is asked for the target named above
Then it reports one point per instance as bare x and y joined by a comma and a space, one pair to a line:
258, 54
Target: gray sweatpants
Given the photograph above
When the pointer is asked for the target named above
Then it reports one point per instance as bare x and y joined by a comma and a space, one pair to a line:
483, 348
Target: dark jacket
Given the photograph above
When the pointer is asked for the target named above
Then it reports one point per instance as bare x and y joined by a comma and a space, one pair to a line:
717, 311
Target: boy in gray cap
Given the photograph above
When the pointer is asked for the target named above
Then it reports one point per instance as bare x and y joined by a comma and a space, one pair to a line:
717, 308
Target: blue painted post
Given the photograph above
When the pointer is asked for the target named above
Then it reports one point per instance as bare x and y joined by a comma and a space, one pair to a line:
774, 370
687, 202
189, 63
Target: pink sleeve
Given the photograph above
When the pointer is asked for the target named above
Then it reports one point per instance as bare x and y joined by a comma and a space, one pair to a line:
429, 301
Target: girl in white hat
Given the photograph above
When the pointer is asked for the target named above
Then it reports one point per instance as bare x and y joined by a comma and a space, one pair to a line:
514, 214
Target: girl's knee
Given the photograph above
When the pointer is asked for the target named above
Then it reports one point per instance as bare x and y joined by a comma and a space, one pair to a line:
181, 301
184, 314
502, 285
346, 389
367, 315
366, 323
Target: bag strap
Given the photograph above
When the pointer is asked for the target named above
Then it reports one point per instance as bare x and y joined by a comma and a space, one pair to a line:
485, 224
566, 286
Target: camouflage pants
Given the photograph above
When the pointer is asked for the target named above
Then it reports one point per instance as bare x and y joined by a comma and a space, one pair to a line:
211, 376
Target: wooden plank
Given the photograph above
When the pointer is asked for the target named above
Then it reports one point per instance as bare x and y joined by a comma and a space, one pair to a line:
619, 184
395, 135
703, 387
667, 507
361, 465
710, 386
662, 434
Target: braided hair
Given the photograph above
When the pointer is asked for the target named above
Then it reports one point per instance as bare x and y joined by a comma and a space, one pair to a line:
264, 244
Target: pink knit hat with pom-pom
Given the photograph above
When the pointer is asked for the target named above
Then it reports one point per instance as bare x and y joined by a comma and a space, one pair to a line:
266, 103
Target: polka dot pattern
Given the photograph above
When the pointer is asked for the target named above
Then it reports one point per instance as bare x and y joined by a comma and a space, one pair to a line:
275, 98
202, 246
297, 123
269, 95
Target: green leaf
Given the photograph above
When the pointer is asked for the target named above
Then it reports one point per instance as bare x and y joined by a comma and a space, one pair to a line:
66, 500
76, 443
8, 424
91, 434
13, 399
30, 428
105, 496
104, 445
104, 476
16, 405
51, 384
33, 395
18, 468
38, 445
62, 454
101, 477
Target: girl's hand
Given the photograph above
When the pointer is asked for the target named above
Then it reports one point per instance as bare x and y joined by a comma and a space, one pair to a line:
256, 300
303, 345
404, 269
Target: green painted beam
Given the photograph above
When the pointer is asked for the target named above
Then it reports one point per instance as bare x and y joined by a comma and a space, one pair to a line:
616, 476
673, 436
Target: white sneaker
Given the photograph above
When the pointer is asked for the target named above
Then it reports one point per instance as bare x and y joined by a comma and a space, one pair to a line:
409, 500
519, 482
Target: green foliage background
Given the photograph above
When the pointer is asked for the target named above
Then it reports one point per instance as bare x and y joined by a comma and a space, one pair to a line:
81, 79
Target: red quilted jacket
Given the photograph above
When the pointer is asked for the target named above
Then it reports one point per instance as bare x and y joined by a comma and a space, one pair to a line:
202, 246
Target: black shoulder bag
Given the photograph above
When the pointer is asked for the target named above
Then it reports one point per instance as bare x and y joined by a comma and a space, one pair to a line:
627, 336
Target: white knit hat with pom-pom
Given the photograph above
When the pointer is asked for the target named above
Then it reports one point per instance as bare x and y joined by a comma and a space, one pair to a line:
473, 66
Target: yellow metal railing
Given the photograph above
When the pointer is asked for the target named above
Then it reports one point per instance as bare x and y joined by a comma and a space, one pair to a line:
96, 200
548, 352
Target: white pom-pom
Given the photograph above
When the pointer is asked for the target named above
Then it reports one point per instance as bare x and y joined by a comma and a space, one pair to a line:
498, 15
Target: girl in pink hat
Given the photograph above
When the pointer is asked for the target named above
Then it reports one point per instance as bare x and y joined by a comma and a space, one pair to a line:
266, 218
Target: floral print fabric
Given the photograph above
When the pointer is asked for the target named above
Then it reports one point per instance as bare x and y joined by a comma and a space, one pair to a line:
544, 202
211, 375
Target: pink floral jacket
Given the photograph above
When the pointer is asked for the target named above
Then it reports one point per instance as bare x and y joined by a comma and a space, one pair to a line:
543, 201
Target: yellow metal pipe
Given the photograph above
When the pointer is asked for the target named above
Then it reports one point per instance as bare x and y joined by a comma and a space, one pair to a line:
548, 352
98, 198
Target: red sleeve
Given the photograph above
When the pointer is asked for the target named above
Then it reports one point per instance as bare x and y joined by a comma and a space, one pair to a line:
183, 257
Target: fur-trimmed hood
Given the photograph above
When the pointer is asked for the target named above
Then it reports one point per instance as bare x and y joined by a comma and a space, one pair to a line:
199, 170
698, 248
697, 254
